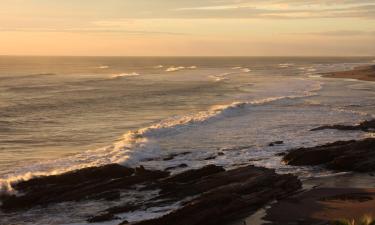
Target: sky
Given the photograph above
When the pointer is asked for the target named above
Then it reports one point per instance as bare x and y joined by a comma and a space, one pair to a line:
188, 27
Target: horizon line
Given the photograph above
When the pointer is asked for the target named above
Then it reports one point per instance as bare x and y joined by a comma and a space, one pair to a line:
191, 56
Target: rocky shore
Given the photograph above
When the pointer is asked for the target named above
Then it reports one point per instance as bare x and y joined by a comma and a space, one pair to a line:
355, 155
212, 195
215, 195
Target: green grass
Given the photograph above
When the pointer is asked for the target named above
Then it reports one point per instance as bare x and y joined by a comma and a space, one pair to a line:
366, 220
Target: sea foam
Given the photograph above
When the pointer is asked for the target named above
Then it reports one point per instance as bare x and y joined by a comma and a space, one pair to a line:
141, 145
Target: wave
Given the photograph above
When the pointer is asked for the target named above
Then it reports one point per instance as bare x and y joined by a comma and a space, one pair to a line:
177, 68
220, 77
158, 66
286, 65
102, 67
242, 69
141, 145
113, 76
35, 75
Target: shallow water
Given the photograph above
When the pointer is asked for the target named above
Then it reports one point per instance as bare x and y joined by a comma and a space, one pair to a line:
63, 113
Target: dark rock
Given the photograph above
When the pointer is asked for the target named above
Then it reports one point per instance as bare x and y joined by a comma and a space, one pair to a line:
220, 153
210, 157
122, 208
276, 143
217, 195
182, 165
366, 126
91, 174
342, 155
174, 155
108, 196
227, 195
102, 218
90, 183
195, 174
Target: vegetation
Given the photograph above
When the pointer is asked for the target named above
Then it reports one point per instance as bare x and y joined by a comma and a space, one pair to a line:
366, 220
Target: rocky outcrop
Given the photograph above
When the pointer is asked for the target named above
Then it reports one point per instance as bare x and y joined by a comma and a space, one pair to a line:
225, 195
211, 194
342, 155
366, 126
103, 182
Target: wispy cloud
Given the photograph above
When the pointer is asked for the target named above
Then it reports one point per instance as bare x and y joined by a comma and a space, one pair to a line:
341, 33
284, 9
89, 30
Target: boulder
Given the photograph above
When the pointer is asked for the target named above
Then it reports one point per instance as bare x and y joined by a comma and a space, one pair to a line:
342, 156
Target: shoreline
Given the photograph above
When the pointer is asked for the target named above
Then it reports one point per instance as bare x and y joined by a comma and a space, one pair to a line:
365, 73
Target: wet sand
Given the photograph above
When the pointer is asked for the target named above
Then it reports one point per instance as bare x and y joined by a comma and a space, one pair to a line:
324, 199
366, 73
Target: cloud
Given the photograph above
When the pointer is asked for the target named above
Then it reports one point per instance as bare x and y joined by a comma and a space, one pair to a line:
88, 30
284, 9
341, 33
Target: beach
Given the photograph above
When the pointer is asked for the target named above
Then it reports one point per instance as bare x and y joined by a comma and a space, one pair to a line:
366, 73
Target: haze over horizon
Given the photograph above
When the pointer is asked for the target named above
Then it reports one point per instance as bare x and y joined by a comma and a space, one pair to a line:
188, 28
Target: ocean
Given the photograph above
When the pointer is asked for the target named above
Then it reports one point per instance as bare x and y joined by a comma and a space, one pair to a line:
59, 114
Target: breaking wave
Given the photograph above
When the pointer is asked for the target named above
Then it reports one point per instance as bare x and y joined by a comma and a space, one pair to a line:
178, 68
286, 65
113, 76
140, 145
102, 67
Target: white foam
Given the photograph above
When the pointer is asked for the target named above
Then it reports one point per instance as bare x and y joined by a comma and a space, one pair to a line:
245, 70
141, 145
158, 66
220, 77
315, 76
103, 67
113, 76
178, 68
285, 65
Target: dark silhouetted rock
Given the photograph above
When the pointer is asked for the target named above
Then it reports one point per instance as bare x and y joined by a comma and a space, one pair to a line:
366, 126
276, 143
90, 183
342, 155
174, 155
182, 165
102, 218
226, 195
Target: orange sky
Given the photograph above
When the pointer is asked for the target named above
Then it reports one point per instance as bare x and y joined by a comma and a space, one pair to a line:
204, 27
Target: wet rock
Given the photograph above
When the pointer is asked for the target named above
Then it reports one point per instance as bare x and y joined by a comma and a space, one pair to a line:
342, 155
226, 195
366, 126
211, 195
182, 165
276, 143
174, 155
90, 183
210, 157
102, 218
194, 174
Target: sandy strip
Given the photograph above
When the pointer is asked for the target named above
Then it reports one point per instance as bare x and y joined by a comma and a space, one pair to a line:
366, 73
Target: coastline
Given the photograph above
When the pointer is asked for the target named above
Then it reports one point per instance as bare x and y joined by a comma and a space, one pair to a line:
211, 188
365, 73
